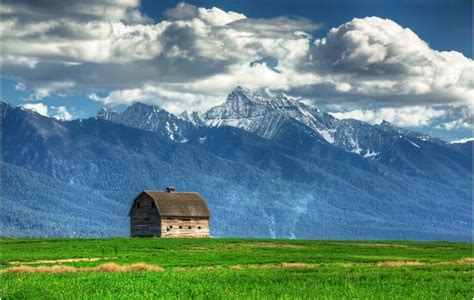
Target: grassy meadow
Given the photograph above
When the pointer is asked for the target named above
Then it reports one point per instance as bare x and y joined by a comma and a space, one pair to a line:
126, 268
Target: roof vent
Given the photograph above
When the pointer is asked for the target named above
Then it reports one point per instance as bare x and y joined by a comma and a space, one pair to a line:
170, 189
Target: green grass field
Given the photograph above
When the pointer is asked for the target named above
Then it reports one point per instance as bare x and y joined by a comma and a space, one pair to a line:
236, 269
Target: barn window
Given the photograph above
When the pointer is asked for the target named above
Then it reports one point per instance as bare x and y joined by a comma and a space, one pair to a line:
147, 219
138, 204
171, 226
199, 227
152, 204
180, 227
189, 227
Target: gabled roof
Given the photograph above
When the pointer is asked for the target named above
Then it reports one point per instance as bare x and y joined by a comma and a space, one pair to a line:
178, 204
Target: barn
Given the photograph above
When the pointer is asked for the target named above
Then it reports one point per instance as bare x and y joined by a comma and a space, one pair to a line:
169, 214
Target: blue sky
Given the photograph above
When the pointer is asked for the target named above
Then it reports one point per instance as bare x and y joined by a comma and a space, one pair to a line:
66, 58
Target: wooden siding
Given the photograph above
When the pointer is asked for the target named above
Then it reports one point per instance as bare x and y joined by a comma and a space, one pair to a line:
145, 220
184, 227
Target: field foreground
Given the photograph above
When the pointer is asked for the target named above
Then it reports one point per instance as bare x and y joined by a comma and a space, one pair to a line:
234, 268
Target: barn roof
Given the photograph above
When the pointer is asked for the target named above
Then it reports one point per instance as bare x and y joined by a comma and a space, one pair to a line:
178, 204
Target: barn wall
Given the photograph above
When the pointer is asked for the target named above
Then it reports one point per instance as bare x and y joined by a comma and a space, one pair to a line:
179, 227
145, 221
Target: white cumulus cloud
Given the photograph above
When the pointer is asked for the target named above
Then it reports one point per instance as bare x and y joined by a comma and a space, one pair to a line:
447, 117
57, 112
405, 116
61, 113
40, 108
194, 56
381, 60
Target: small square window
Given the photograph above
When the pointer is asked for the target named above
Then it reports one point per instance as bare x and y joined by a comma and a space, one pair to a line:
189, 227
171, 226
180, 227
199, 227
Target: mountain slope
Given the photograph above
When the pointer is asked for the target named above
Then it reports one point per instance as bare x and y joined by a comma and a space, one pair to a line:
255, 187
295, 125
37, 205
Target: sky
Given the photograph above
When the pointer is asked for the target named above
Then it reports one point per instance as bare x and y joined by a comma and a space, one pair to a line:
407, 62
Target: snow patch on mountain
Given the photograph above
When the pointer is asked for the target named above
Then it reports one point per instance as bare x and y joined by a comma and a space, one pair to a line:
327, 135
355, 147
416, 145
371, 154
170, 132
196, 118
462, 141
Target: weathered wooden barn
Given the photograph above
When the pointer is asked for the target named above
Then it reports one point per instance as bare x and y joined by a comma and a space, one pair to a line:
169, 214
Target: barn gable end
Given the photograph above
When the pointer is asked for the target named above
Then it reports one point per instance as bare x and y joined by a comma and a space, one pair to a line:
144, 218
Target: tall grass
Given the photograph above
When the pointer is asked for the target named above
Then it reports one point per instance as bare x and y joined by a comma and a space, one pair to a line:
236, 269
445, 282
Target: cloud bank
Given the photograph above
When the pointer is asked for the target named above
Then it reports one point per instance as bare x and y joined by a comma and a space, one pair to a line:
37, 107
113, 53
57, 112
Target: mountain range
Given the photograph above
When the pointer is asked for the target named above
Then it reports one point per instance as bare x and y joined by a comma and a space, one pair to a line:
268, 167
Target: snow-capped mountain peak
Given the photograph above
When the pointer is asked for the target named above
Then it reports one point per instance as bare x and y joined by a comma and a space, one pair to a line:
139, 107
265, 115
387, 126
150, 118
280, 118
245, 96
